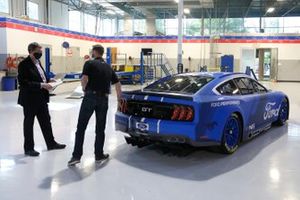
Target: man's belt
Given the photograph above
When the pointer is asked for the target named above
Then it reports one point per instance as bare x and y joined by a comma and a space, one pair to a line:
97, 93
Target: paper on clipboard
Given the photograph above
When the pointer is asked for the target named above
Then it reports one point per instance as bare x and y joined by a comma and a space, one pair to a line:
56, 84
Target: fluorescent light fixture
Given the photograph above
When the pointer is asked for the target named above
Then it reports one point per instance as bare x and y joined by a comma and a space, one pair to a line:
176, 1
111, 12
87, 1
186, 11
271, 9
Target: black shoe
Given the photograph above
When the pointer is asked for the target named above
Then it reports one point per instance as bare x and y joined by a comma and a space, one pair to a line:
57, 146
73, 161
32, 153
101, 158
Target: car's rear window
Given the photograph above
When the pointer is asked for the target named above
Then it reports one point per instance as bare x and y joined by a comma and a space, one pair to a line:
179, 84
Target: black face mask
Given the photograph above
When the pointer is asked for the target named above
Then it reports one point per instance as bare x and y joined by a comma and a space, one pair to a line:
37, 55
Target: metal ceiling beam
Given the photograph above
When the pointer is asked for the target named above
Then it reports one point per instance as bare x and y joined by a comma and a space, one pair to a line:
129, 10
248, 9
295, 5
155, 8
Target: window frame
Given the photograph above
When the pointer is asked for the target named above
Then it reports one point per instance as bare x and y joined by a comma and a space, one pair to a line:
231, 80
251, 82
258, 92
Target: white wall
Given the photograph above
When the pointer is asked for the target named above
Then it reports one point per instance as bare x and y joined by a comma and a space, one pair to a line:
3, 43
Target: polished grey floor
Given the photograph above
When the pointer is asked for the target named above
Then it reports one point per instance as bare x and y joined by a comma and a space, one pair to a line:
264, 168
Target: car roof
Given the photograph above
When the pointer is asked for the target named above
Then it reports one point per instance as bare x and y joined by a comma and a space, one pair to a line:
214, 74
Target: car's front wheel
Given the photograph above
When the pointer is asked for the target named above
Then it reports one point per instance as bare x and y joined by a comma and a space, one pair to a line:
231, 134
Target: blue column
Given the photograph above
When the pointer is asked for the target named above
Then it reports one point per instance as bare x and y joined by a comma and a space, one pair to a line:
142, 68
48, 62
108, 55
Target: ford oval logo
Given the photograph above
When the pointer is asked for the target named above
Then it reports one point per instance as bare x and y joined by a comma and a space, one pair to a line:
142, 126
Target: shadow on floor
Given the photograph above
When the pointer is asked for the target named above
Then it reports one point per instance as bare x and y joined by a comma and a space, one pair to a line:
71, 175
200, 164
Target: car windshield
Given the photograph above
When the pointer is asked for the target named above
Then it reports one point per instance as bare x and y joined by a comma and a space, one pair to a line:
179, 84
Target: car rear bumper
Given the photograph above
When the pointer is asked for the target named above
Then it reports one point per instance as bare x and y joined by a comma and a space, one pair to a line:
161, 131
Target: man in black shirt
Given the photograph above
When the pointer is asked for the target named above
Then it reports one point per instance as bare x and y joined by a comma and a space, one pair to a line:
97, 76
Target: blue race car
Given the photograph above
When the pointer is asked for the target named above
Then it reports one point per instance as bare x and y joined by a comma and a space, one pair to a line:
200, 109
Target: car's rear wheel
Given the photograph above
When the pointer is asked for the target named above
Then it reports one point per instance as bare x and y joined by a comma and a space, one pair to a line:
283, 113
231, 134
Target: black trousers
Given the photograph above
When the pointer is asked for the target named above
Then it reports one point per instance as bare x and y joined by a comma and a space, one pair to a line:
42, 113
91, 103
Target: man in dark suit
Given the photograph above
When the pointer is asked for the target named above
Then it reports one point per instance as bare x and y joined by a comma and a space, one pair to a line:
34, 97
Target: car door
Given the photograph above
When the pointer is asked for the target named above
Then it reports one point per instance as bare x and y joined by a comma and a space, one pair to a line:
253, 104
270, 104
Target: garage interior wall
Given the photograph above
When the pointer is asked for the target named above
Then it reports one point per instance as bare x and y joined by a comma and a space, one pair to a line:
57, 16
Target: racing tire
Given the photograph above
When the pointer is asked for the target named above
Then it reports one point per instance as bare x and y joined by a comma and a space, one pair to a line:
283, 113
231, 134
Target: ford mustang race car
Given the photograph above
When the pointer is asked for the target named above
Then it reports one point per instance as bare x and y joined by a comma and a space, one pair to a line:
200, 109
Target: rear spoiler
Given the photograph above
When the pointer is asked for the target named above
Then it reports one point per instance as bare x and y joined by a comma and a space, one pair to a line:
159, 94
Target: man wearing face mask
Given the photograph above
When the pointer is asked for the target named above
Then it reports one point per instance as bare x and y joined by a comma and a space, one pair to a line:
34, 98
97, 78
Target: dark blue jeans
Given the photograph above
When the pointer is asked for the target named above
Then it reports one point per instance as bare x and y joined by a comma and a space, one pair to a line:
91, 103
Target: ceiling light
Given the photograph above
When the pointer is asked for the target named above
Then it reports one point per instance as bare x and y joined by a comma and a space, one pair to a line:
186, 11
176, 1
271, 9
87, 1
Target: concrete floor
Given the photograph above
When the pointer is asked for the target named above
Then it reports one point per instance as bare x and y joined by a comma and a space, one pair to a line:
264, 168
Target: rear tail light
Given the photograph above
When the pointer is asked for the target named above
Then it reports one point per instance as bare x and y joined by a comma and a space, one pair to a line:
182, 113
122, 106
190, 114
176, 113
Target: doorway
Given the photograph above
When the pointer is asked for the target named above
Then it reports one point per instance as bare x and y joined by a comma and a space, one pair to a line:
267, 63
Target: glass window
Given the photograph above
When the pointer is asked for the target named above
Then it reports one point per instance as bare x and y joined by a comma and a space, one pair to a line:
139, 26
245, 85
228, 88
251, 22
274, 22
107, 27
120, 30
258, 87
89, 24
192, 27
179, 84
291, 21
160, 25
171, 26
251, 25
292, 30
234, 25
4, 6
291, 24
74, 20
33, 10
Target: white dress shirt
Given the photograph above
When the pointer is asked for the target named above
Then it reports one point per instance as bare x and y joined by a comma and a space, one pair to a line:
41, 71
